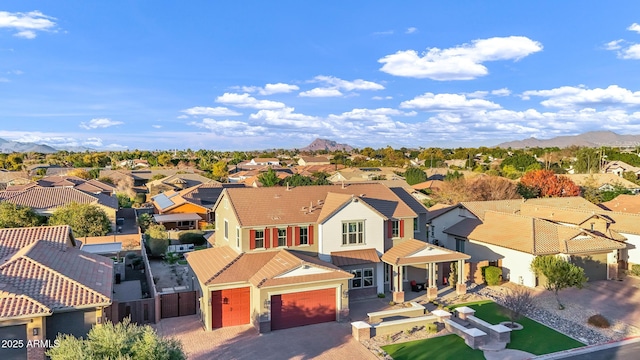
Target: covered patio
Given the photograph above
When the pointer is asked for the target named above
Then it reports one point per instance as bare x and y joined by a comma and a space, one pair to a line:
183, 221
418, 253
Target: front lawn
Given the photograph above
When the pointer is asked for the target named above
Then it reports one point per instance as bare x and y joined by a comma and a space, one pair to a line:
442, 347
535, 338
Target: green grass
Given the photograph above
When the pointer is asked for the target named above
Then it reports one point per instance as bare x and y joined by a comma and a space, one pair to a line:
442, 347
182, 262
535, 338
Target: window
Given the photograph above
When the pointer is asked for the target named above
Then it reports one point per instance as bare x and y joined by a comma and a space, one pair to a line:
395, 228
362, 278
387, 271
259, 239
368, 277
226, 229
405, 277
185, 224
416, 225
282, 237
460, 245
304, 236
356, 281
353, 232
433, 231
237, 236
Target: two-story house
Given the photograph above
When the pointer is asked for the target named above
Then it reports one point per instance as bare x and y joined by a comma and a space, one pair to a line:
294, 256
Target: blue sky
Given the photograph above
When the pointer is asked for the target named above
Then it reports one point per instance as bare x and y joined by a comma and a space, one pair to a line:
249, 75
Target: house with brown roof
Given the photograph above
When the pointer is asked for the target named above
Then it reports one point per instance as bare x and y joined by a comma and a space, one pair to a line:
49, 286
313, 160
623, 203
510, 233
331, 239
618, 168
604, 182
176, 182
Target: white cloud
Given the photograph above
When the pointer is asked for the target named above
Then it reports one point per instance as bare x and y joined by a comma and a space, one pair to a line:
28, 24
411, 30
99, 123
321, 92
631, 52
210, 111
382, 98
270, 89
634, 27
614, 45
231, 128
156, 126
4, 80
287, 118
247, 101
477, 94
447, 102
501, 92
463, 62
577, 97
338, 83
95, 142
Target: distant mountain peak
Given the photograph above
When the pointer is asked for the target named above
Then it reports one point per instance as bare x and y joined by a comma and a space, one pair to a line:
588, 139
327, 145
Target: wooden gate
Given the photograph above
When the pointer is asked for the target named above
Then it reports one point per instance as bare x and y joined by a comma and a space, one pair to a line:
140, 311
178, 304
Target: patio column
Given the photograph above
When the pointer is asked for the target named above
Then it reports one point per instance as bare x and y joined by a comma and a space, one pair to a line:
398, 294
432, 291
461, 286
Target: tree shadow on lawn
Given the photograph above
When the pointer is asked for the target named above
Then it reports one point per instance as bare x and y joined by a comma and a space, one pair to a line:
535, 338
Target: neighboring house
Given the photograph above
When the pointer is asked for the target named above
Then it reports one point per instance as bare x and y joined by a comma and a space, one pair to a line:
510, 233
190, 208
313, 160
618, 168
176, 182
88, 186
10, 178
604, 182
353, 175
49, 286
328, 241
140, 177
135, 163
45, 200
623, 203
263, 161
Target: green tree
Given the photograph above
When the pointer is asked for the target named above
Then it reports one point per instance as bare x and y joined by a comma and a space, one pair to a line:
14, 216
617, 189
297, 180
452, 176
158, 239
84, 219
520, 161
219, 170
124, 201
164, 159
415, 175
122, 341
269, 178
559, 273
144, 221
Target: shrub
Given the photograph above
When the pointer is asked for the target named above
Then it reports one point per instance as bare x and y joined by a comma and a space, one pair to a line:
598, 321
492, 275
391, 303
192, 237
635, 270
431, 328
381, 295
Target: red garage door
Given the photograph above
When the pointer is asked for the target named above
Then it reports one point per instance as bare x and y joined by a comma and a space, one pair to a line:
230, 307
303, 308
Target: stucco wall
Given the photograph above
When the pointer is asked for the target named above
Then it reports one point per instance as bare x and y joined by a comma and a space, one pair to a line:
515, 264
633, 248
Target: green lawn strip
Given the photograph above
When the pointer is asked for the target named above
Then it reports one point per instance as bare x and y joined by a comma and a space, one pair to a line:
535, 338
442, 347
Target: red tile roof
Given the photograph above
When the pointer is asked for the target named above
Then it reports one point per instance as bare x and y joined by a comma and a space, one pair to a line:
414, 252
355, 257
14, 239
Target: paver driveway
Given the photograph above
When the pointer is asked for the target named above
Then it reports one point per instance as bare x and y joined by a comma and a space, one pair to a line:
321, 341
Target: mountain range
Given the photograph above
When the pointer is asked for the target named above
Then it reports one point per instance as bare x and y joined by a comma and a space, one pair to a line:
8, 146
328, 145
588, 139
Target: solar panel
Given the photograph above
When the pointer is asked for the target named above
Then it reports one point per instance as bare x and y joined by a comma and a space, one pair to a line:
163, 201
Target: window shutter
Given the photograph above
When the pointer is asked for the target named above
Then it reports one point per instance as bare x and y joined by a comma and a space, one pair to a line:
296, 237
401, 228
390, 228
275, 237
267, 238
252, 239
310, 234
289, 235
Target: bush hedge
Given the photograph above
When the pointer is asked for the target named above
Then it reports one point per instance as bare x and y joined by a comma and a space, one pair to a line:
599, 321
635, 270
192, 237
492, 275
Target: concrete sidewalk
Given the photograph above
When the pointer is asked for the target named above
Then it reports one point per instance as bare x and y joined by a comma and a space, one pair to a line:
587, 349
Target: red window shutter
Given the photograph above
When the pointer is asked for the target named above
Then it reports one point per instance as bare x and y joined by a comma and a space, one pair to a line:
252, 239
289, 236
267, 238
310, 234
296, 233
401, 228
390, 228
275, 237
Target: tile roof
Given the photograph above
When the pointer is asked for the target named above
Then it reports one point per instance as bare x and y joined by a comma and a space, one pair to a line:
601, 180
49, 198
414, 252
355, 257
531, 235
48, 278
279, 205
513, 206
223, 265
14, 239
623, 203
